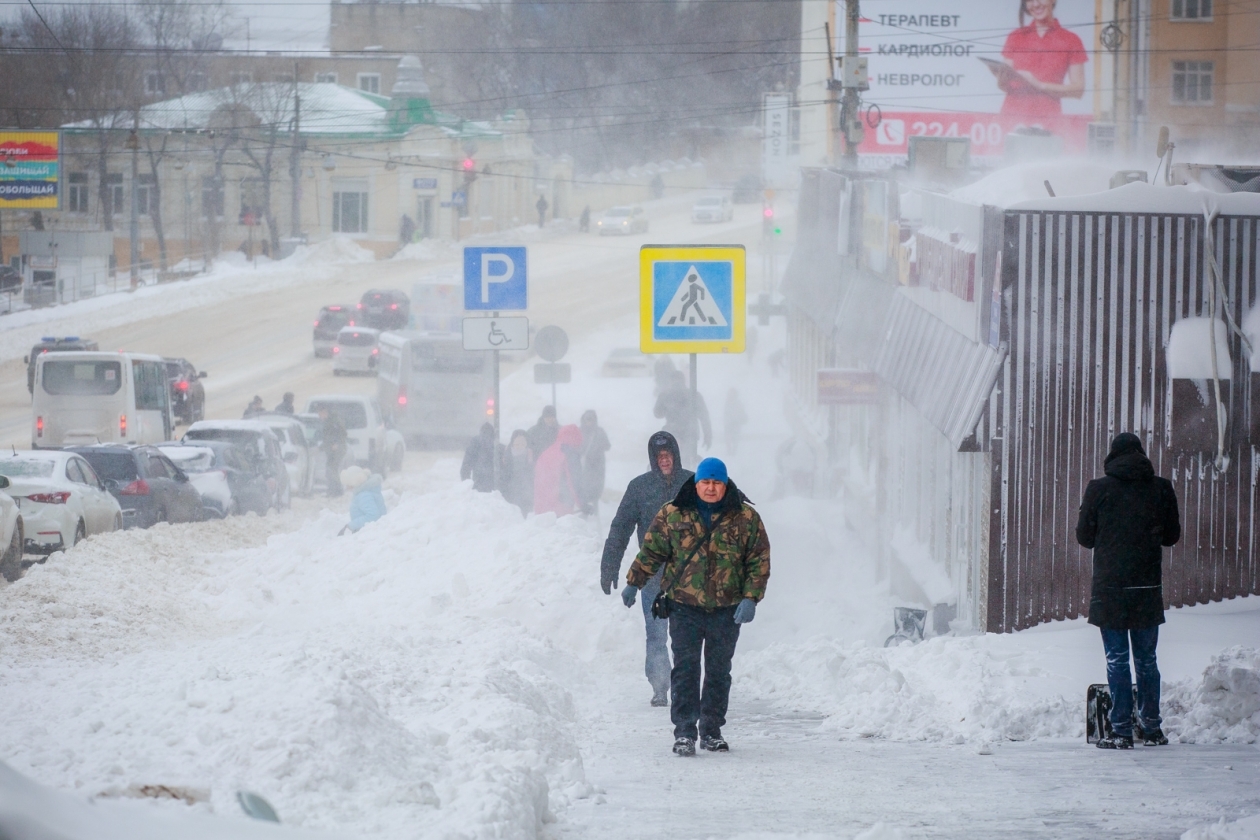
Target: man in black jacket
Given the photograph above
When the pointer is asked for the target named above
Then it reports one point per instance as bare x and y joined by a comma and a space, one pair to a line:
1126, 517
644, 497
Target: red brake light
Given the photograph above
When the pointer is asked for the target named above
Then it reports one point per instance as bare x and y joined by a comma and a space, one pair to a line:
336, 349
39, 427
139, 487
181, 385
402, 397
57, 498
393, 306
359, 306
122, 425
317, 322
376, 351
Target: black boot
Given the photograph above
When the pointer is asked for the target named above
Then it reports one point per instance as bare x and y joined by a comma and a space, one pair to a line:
714, 743
1152, 737
1115, 742
685, 746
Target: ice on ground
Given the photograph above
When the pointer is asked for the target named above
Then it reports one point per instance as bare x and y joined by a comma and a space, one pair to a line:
1244, 829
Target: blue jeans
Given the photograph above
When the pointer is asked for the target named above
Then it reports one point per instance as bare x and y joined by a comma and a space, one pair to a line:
656, 665
1116, 644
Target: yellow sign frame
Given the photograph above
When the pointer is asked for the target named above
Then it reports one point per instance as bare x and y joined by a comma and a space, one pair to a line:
650, 255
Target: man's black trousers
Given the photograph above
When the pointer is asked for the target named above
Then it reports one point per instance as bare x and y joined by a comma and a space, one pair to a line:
694, 634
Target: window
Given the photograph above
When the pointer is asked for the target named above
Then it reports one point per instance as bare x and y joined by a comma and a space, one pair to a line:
154, 84
114, 184
370, 82
211, 197
146, 195
352, 414
151, 386
240, 78
73, 472
284, 78
89, 474
350, 207
196, 82
77, 194
1192, 82
1191, 10
82, 378
325, 78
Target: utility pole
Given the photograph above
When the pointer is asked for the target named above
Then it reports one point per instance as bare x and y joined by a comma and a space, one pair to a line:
133, 143
295, 160
852, 80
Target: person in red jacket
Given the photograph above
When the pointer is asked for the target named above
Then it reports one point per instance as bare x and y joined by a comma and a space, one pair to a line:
555, 477
1049, 63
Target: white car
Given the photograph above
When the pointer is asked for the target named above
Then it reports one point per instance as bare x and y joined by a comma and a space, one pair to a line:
713, 208
61, 499
357, 350
370, 442
298, 457
622, 220
626, 361
10, 534
197, 462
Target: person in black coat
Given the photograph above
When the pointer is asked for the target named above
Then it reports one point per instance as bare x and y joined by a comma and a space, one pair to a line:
1127, 517
479, 460
644, 497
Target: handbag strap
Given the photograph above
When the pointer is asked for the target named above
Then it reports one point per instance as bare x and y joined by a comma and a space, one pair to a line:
678, 574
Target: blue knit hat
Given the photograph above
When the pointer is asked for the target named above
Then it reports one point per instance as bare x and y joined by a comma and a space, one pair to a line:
711, 469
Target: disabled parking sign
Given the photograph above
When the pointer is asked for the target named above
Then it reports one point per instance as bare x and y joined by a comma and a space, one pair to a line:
691, 298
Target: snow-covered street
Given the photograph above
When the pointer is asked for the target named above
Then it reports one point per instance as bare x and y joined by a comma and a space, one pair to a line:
454, 671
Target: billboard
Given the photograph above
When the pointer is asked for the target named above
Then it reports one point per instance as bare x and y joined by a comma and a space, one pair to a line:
28, 170
979, 69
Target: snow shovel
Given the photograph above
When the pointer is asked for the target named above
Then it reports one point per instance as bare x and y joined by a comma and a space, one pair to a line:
1098, 712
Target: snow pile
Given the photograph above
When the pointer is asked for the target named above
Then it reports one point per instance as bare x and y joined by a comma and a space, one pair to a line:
425, 250
1244, 829
1027, 181
1224, 707
338, 249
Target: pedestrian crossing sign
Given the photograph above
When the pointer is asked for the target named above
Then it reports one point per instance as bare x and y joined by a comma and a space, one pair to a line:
691, 298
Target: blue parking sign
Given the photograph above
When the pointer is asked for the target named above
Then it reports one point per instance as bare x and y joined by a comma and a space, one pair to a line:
495, 278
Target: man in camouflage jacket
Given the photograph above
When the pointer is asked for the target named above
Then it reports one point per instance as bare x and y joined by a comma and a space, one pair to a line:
716, 559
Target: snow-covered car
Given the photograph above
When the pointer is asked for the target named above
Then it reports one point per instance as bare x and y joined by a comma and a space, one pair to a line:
224, 476
713, 208
261, 445
11, 536
370, 441
357, 351
148, 487
60, 497
294, 449
622, 220
626, 361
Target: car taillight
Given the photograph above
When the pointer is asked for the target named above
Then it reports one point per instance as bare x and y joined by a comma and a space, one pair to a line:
358, 306
181, 385
58, 498
39, 427
393, 306
336, 349
402, 397
122, 425
139, 487
317, 323
376, 351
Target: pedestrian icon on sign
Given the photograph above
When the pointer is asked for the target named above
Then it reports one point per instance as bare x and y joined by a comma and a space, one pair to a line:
684, 309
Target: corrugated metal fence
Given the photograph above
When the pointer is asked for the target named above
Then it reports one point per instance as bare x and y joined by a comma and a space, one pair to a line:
1088, 303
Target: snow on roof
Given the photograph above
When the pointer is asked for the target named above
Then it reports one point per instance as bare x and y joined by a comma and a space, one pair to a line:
1151, 198
1027, 182
235, 425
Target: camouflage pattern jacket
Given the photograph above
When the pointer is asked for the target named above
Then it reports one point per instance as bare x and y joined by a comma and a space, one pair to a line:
732, 565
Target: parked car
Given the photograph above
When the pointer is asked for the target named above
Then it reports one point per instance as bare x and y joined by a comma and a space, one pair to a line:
188, 395
52, 344
149, 488
314, 428
294, 449
261, 448
357, 351
60, 497
371, 442
713, 208
626, 361
11, 534
622, 220
227, 479
384, 309
327, 324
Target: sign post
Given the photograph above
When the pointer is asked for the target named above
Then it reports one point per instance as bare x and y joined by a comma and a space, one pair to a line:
692, 300
552, 343
495, 279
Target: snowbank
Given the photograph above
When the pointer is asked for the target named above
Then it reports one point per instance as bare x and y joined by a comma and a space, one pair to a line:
1244, 829
1224, 707
1027, 182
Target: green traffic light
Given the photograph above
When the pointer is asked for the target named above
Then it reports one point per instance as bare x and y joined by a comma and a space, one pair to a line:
778, 230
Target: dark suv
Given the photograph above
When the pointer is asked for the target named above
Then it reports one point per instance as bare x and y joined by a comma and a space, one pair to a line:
51, 344
329, 322
188, 395
384, 309
148, 487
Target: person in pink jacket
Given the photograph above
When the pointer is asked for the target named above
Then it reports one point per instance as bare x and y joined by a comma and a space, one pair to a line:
555, 476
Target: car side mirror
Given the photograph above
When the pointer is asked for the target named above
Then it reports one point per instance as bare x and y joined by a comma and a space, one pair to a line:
202, 375
4, 481
26, 360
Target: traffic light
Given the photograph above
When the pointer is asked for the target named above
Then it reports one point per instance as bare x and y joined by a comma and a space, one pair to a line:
767, 218
470, 170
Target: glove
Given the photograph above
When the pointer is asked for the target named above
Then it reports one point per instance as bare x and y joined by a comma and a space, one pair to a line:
627, 595
607, 577
746, 611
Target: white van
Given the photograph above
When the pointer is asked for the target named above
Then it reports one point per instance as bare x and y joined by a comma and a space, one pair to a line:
99, 397
435, 390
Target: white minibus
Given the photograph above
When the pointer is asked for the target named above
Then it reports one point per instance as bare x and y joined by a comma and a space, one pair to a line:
434, 389
99, 397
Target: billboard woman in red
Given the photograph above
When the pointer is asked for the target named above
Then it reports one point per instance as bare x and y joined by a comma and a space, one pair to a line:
1048, 60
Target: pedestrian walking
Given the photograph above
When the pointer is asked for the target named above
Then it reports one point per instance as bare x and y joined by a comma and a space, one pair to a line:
644, 496
479, 459
542, 206
1127, 517
286, 405
254, 408
543, 433
594, 445
686, 416
584, 221
715, 557
333, 437
518, 472
556, 474
734, 417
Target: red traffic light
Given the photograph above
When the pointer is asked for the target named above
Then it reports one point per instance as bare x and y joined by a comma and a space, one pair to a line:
768, 212
469, 164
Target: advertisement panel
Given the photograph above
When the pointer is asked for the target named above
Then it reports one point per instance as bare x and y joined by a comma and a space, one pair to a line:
28, 170
981, 69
